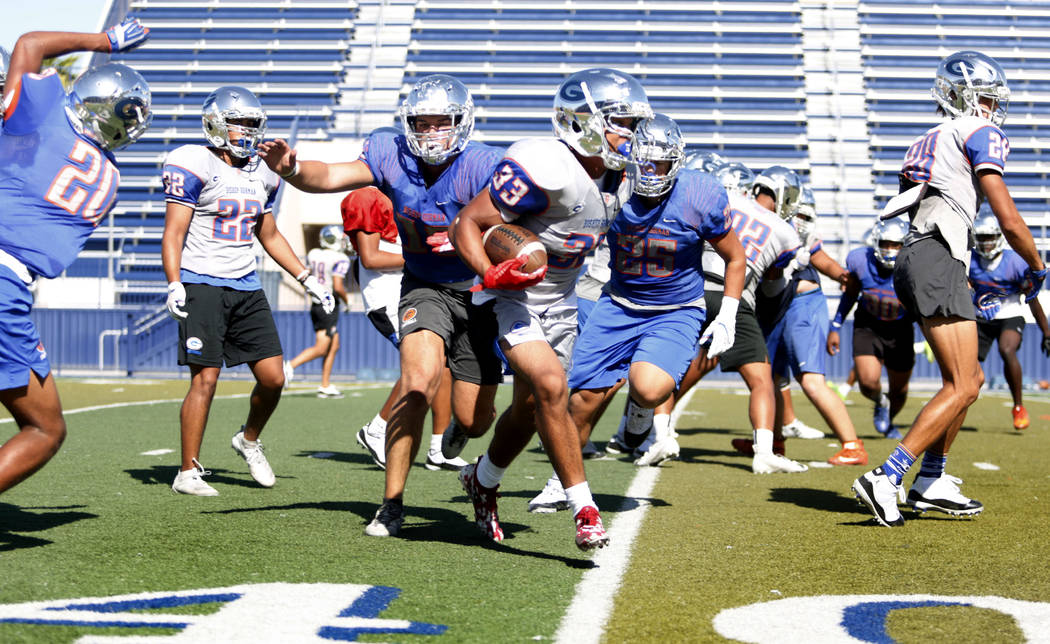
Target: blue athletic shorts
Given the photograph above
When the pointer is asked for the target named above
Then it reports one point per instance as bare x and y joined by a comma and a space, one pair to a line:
616, 336
20, 347
797, 342
583, 311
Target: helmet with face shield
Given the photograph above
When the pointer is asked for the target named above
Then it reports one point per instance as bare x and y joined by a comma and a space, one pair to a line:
989, 237
233, 120
658, 142
438, 95
888, 237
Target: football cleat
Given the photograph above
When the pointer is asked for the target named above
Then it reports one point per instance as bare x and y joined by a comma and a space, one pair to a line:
657, 452
775, 464
852, 453
941, 494
747, 447
486, 514
374, 444
590, 452
551, 499
289, 373
615, 446
879, 494
453, 441
190, 481
590, 533
1020, 417
388, 520
329, 392
799, 429
437, 461
252, 453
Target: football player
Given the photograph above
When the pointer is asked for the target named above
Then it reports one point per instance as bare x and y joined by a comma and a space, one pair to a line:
368, 220
653, 306
58, 180
430, 172
219, 201
329, 264
567, 189
883, 332
946, 174
795, 319
997, 278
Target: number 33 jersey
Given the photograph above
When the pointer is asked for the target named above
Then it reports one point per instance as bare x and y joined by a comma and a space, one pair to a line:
226, 203
540, 185
55, 184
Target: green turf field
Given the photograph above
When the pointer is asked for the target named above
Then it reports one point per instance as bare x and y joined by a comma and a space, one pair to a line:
101, 521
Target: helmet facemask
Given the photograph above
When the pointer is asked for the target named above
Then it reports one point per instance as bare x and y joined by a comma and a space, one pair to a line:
438, 95
658, 152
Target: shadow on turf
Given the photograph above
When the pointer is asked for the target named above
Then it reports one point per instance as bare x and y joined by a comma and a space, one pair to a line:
354, 458
14, 518
165, 474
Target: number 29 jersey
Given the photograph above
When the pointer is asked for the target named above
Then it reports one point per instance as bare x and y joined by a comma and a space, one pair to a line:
55, 184
226, 203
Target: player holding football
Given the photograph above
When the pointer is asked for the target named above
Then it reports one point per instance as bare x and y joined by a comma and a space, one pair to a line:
58, 179
567, 190
997, 277
219, 201
946, 174
429, 172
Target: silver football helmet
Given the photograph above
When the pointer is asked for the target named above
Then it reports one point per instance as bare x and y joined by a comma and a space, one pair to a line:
333, 238
736, 177
708, 162
869, 236
584, 109
111, 104
890, 231
442, 95
785, 186
990, 240
964, 78
657, 139
5, 64
805, 219
234, 110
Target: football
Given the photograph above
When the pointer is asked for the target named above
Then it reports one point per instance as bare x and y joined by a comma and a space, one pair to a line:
507, 241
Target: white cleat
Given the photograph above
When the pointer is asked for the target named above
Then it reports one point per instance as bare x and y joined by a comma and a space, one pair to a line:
252, 453
329, 392
799, 429
942, 495
551, 499
662, 450
774, 464
289, 373
190, 481
437, 461
374, 444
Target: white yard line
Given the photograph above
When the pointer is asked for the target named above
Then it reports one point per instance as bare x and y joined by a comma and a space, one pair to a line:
584, 621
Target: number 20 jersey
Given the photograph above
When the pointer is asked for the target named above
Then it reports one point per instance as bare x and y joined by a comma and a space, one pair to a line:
226, 203
55, 184
541, 186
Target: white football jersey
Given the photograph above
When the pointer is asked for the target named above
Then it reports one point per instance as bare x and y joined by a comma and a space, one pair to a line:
540, 185
326, 265
381, 289
597, 274
226, 204
767, 239
947, 157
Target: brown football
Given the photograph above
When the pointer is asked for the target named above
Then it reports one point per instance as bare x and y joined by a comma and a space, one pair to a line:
507, 241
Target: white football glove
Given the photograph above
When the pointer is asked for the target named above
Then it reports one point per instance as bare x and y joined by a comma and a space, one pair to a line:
127, 35
319, 293
722, 330
177, 300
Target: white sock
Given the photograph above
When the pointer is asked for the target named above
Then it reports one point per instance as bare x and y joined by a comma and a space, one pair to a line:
662, 426
435, 442
638, 419
579, 497
884, 400
488, 474
763, 441
377, 425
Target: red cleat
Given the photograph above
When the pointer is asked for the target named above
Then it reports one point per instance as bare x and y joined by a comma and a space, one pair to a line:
484, 499
590, 533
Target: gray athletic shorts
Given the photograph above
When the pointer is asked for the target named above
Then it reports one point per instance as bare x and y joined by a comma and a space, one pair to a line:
930, 282
556, 325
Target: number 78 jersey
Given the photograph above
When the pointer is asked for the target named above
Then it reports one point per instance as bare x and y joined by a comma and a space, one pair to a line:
226, 204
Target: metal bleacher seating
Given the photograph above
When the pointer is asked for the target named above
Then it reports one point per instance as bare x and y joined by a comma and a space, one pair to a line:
290, 53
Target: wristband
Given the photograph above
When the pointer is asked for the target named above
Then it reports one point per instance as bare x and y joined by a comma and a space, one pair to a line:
301, 277
295, 171
835, 324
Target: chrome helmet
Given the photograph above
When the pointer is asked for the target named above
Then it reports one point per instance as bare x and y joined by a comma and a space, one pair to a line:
805, 219
736, 177
440, 95
234, 110
889, 231
111, 104
586, 104
869, 236
785, 186
964, 78
333, 238
989, 236
708, 162
657, 138
5, 64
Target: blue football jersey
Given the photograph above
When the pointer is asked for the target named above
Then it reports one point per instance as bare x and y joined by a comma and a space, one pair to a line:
656, 263
55, 184
877, 295
1003, 277
421, 211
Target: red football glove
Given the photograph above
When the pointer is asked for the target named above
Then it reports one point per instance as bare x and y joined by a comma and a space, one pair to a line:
506, 276
440, 244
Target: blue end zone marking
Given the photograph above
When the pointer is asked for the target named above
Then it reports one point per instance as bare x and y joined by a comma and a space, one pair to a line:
373, 601
867, 621
76, 622
350, 634
156, 602
369, 605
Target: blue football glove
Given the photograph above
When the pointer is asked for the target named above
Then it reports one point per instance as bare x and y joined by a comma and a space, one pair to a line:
127, 35
1032, 282
988, 306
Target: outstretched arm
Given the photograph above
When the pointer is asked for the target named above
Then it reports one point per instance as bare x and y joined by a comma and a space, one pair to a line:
314, 176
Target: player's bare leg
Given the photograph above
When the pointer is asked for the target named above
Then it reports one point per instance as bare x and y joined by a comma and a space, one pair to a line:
869, 377
329, 362
269, 380
42, 429
193, 416
321, 348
